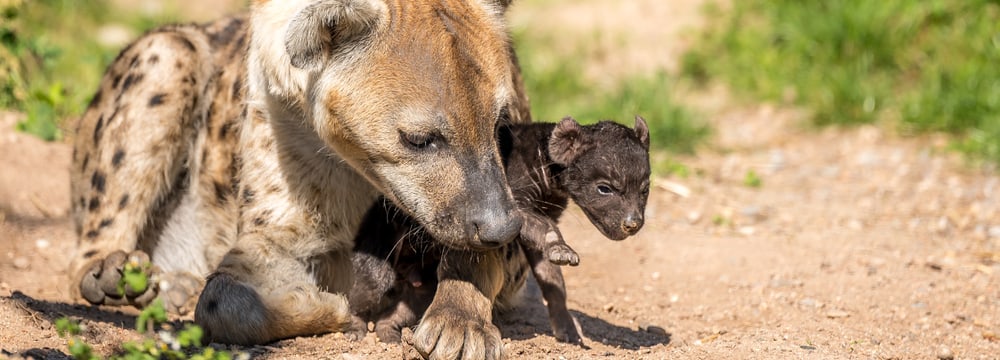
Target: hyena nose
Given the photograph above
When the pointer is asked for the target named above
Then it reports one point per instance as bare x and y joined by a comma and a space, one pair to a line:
496, 227
632, 224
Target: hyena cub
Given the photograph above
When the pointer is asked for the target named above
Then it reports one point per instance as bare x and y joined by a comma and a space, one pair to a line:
603, 167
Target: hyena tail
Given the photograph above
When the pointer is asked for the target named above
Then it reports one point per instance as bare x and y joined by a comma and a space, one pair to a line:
232, 312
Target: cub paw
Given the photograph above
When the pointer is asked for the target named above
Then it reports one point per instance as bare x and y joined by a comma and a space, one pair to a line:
102, 283
448, 334
565, 328
389, 334
562, 254
358, 330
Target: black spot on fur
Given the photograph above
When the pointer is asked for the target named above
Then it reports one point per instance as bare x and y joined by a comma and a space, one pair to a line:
153, 59
116, 159
86, 160
224, 129
132, 79
105, 223
96, 99
97, 181
179, 65
123, 202
247, 195
237, 86
134, 62
98, 128
89, 254
116, 80
94, 203
226, 35
83, 201
222, 192
187, 43
258, 221
92, 234
156, 100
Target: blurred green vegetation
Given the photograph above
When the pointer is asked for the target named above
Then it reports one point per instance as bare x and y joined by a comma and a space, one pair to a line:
51, 60
921, 65
557, 86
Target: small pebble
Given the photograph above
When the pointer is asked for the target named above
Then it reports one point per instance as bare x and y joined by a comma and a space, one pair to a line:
608, 307
994, 231
42, 243
944, 353
652, 329
835, 314
21, 263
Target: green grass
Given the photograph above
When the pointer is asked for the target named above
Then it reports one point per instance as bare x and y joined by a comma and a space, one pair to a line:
51, 60
557, 87
921, 65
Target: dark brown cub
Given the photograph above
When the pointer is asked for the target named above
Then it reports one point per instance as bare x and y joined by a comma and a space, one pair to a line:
603, 167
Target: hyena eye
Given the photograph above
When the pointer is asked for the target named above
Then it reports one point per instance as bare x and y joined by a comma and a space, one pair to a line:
604, 190
419, 141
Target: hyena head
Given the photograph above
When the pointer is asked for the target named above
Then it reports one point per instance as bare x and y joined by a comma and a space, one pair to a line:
410, 92
606, 172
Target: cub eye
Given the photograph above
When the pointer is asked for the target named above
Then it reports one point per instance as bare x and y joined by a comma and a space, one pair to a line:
604, 190
418, 141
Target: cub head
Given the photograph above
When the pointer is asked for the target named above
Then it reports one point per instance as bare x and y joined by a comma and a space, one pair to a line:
408, 92
606, 172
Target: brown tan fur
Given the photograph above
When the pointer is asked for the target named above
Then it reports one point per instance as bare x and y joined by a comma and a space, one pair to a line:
265, 167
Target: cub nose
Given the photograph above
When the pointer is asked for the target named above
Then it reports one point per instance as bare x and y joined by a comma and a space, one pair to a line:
496, 228
632, 224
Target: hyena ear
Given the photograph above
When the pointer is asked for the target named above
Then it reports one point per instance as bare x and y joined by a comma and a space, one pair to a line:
567, 142
642, 131
320, 28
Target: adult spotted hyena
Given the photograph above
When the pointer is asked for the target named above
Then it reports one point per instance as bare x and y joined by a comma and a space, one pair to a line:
249, 149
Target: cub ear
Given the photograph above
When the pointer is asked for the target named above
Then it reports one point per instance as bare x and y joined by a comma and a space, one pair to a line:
318, 29
642, 131
567, 142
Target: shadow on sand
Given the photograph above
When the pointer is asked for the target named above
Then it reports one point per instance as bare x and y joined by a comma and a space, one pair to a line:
530, 320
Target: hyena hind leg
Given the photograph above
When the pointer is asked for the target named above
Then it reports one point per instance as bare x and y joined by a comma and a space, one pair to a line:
132, 158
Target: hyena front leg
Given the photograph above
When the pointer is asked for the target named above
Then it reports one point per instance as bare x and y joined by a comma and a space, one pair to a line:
459, 321
132, 159
290, 268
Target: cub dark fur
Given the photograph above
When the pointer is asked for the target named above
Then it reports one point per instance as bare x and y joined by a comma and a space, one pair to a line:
603, 167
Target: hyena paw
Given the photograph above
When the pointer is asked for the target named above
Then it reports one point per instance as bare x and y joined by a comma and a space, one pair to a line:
179, 291
447, 333
101, 282
565, 328
562, 254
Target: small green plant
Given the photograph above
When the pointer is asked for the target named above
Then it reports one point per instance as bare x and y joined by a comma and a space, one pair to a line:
751, 179
71, 330
182, 345
135, 277
720, 220
151, 316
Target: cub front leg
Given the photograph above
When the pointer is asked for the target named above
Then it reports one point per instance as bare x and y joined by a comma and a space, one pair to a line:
540, 233
458, 323
550, 281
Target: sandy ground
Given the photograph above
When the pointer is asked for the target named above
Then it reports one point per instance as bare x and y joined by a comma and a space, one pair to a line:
858, 244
